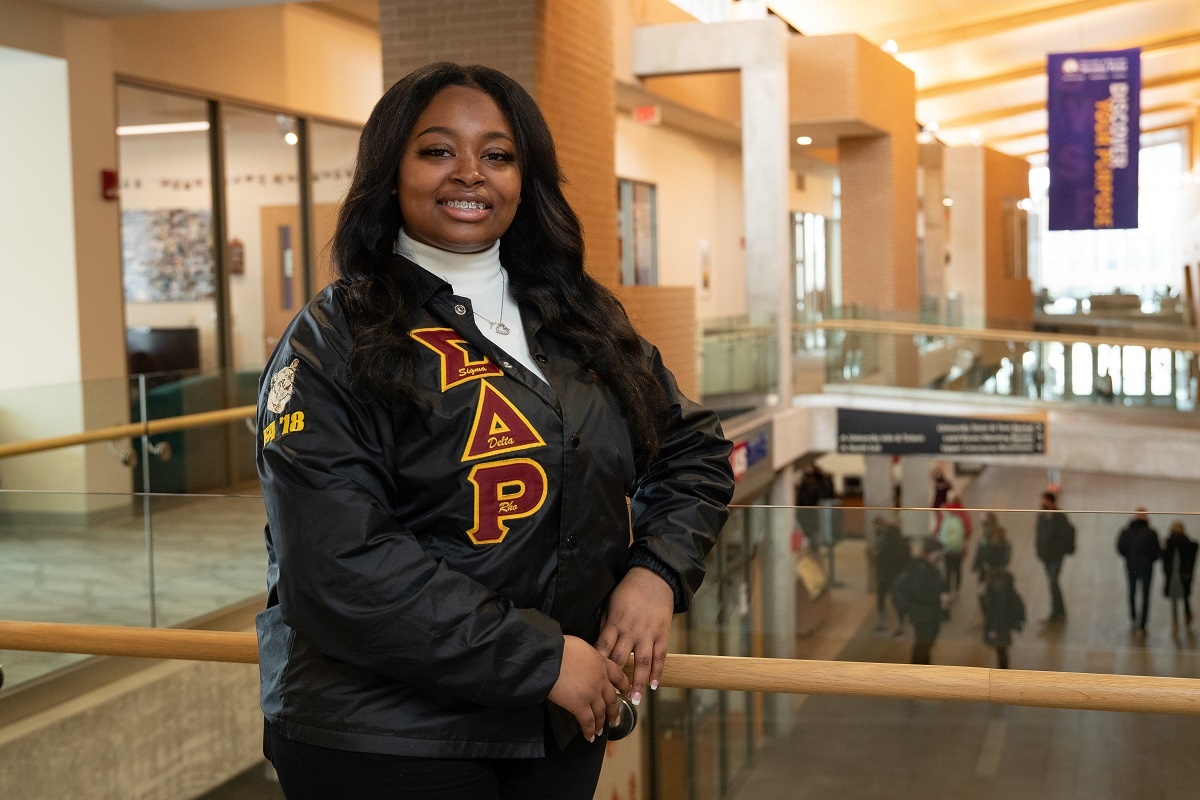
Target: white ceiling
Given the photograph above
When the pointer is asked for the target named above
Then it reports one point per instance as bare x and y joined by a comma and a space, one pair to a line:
949, 42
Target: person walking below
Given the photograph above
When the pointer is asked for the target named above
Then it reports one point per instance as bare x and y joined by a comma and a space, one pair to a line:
1055, 541
994, 552
1138, 545
892, 555
953, 530
1179, 564
920, 593
1003, 613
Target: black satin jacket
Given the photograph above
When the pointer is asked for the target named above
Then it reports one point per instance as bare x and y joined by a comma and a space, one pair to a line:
423, 568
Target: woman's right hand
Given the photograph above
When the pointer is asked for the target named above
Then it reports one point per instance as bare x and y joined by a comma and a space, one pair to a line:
587, 686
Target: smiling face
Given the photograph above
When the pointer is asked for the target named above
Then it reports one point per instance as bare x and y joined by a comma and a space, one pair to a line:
459, 182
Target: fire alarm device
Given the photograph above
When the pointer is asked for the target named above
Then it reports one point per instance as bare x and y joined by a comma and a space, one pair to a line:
109, 189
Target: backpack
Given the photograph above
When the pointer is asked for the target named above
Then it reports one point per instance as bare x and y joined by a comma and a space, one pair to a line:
952, 533
1068, 537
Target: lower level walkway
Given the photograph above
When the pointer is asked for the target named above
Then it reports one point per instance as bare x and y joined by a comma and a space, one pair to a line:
859, 748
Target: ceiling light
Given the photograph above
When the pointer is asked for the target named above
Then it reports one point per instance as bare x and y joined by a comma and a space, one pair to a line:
290, 137
931, 126
947, 202
803, 140
976, 136
890, 46
164, 127
924, 137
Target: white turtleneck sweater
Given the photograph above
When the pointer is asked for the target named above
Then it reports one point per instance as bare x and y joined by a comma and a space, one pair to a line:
480, 278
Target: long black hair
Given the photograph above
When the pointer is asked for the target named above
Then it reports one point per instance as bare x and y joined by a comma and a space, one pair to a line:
542, 250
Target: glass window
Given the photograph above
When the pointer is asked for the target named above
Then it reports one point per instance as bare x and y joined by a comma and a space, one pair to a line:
332, 150
264, 244
637, 214
168, 265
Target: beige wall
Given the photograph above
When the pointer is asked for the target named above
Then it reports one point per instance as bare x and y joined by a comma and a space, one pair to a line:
963, 177
979, 180
281, 56
699, 202
844, 87
1008, 299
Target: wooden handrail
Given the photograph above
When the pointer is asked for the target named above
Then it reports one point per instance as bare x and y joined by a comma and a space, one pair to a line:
1073, 690
149, 428
987, 334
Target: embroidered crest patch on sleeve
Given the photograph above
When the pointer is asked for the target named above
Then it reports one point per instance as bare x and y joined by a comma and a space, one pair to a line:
283, 383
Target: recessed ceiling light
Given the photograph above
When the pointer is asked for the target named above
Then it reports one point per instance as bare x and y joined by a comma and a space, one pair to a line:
291, 138
947, 202
803, 140
890, 46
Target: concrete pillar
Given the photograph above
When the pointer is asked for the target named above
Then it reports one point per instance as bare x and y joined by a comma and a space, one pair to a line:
877, 482
916, 491
759, 50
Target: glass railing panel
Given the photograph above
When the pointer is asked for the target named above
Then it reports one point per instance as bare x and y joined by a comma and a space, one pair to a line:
212, 458
69, 557
719, 744
1134, 373
739, 358
97, 559
209, 553
207, 459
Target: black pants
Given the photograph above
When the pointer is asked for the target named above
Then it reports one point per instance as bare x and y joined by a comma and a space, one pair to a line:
308, 772
953, 562
1057, 609
1143, 578
925, 636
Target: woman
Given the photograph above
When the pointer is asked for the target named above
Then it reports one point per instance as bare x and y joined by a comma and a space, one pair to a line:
457, 435
995, 551
1179, 565
1003, 612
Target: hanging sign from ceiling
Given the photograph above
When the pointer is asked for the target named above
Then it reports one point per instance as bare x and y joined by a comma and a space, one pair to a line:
1094, 108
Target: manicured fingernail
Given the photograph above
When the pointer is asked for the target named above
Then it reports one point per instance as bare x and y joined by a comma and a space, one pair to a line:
636, 698
654, 685
592, 738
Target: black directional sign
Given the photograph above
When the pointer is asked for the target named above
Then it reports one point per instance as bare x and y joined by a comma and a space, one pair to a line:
887, 433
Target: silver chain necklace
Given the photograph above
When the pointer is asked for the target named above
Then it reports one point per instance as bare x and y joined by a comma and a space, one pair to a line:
498, 326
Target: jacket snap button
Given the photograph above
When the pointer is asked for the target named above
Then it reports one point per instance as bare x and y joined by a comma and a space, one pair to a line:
507, 364
460, 309
574, 440
541, 358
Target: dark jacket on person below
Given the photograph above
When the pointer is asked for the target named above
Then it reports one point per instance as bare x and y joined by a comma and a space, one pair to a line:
918, 593
423, 567
892, 556
1055, 535
1182, 547
1003, 610
1138, 545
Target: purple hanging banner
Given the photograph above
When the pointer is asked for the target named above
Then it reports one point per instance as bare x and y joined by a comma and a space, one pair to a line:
1094, 107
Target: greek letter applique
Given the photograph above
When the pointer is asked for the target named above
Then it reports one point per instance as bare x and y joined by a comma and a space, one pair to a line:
457, 365
505, 490
499, 427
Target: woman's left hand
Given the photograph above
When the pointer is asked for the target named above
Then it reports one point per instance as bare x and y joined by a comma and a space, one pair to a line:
638, 622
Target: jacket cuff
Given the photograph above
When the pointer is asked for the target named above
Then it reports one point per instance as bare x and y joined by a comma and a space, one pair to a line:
641, 557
